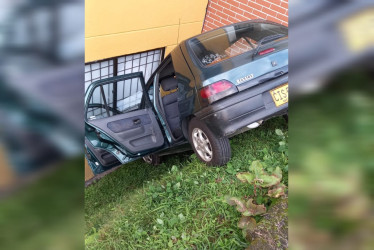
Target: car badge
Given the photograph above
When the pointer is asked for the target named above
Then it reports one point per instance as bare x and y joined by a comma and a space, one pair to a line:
244, 79
274, 63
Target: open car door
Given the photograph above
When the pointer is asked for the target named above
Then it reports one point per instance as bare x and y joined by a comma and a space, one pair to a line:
121, 124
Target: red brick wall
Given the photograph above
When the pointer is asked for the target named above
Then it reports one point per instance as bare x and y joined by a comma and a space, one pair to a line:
223, 12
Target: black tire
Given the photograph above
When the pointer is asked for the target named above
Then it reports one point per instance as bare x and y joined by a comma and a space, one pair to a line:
152, 159
220, 147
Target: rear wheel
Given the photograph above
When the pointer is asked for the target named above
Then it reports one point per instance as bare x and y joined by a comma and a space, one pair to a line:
152, 159
212, 150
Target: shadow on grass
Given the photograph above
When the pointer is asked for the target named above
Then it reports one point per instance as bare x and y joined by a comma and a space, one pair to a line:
129, 177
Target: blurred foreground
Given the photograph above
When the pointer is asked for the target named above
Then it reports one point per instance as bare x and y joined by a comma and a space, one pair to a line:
332, 166
41, 124
331, 125
41, 90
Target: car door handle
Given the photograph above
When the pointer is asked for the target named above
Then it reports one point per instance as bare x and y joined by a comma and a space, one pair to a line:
136, 121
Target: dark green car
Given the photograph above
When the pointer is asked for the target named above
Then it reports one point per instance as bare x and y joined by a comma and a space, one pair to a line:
209, 88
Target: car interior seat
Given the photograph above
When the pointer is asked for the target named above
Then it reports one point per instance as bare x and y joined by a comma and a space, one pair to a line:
169, 83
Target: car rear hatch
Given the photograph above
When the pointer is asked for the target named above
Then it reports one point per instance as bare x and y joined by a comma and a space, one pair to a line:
244, 54
258, 71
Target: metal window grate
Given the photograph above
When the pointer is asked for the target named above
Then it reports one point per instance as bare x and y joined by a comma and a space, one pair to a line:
147, 62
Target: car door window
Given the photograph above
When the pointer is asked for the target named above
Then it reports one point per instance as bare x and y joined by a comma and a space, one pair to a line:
120, 114
115, 98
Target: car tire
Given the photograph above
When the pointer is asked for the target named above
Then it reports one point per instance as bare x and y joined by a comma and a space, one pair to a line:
152, 159
212, 150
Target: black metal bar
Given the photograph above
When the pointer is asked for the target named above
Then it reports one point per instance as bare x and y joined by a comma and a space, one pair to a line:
162, 56
115, 72
104, 99
91, 75
117, 78
132, 71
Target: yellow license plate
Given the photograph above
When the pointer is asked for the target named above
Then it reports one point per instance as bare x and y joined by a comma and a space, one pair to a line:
358, 30
280, 95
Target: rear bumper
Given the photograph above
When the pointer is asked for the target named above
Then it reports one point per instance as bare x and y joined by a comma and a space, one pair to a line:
235, 112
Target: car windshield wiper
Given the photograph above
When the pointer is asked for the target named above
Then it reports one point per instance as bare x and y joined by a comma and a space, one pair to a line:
265, 40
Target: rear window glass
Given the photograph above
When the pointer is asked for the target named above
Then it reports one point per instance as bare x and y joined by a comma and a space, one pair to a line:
224, 43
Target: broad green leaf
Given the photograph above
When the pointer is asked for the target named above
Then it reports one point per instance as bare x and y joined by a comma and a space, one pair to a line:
253, 209
233, 201
177, 186
159, 221
279, 132
174, 168
181, 217
183, 236
278, 172
268, 180
277, 191
257, 167
245, 177
246, 222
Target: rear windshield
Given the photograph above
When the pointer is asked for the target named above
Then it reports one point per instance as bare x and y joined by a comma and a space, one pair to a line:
221, 44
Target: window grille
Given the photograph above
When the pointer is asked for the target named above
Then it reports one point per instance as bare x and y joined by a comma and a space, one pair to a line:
147, 62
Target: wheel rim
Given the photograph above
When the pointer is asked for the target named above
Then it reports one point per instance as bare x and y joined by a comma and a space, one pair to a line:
202, 144
147, 159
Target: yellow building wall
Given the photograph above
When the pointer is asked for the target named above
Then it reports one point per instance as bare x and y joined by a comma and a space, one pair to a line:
120, 27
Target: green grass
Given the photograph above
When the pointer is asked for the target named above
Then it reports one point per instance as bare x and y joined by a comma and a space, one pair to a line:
179, 204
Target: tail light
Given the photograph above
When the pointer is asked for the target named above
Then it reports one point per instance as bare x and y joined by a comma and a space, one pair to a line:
217, 90
266, 51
